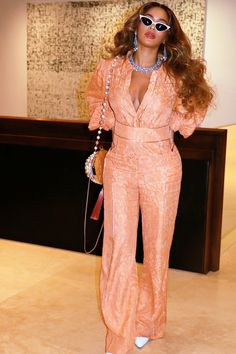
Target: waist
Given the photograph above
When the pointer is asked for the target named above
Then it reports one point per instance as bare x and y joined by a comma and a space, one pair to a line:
142, 134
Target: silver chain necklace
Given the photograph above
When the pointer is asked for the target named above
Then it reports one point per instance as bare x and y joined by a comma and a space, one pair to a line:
148, 69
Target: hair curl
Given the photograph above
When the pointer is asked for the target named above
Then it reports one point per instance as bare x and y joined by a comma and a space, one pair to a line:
192, 87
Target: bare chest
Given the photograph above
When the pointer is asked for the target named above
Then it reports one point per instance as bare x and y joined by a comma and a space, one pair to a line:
138, 87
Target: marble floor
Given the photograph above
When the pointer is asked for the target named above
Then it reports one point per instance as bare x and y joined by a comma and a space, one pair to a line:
49, 297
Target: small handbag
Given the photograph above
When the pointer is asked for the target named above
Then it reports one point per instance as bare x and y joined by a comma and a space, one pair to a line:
94, 165
95, 162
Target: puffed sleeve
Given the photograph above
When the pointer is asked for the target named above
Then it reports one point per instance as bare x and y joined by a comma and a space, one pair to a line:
184, 121
95, 95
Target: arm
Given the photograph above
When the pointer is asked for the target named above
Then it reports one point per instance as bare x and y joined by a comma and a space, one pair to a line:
184, 121
95, 94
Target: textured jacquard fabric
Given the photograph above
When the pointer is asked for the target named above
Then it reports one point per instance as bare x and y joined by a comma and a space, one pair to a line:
142, 171
159, 107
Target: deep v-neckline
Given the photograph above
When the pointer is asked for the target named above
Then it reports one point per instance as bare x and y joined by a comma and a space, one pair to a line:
129, 78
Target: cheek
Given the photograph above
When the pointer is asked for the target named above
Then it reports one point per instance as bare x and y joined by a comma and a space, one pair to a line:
140, 29
162, 36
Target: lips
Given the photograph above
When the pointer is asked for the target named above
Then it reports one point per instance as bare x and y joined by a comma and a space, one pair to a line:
150, 35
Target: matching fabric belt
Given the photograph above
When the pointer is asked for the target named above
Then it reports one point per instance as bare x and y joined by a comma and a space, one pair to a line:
141, 134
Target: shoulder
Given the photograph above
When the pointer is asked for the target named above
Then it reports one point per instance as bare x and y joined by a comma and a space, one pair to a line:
105, 64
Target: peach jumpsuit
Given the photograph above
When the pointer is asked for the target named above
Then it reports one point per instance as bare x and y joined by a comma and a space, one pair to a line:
142, 170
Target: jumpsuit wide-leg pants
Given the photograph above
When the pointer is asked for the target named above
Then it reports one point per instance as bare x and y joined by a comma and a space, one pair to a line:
138, 174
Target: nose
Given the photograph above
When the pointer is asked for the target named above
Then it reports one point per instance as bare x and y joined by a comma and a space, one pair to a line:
152, 26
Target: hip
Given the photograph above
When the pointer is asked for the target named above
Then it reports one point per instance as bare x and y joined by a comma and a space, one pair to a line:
160, 160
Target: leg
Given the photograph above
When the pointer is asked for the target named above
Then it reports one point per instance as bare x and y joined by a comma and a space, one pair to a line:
159, 202
118, 281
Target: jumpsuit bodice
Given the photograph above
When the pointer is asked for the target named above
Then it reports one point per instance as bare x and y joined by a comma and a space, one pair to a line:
159, 107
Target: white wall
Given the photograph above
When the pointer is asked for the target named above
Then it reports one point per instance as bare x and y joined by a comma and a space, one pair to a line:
13, 61
220, 53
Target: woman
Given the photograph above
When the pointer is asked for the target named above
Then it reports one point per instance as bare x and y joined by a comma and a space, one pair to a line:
156, 88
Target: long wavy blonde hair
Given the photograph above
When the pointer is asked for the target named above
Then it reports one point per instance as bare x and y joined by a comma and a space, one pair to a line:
189, 73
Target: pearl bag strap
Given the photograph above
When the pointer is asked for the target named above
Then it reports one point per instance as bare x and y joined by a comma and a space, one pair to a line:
104, 103
89, 174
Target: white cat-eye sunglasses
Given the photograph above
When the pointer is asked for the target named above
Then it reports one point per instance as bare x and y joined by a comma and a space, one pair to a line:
160, 26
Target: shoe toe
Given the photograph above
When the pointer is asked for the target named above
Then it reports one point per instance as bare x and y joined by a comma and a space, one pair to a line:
141, 341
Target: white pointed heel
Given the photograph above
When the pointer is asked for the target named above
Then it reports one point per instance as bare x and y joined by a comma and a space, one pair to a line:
141, 341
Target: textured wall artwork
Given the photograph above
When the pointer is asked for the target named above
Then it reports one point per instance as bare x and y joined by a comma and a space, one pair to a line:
65, 40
